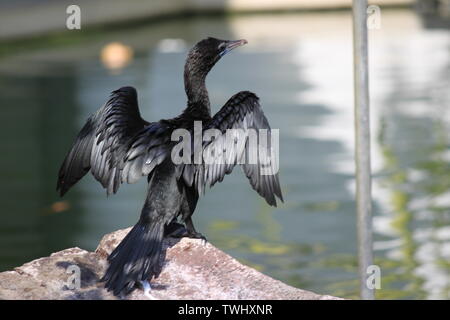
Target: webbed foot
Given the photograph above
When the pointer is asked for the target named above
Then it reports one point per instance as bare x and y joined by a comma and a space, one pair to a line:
175, 230
197, 235
178, 230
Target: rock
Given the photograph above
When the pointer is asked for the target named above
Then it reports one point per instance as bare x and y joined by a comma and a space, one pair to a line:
191, 270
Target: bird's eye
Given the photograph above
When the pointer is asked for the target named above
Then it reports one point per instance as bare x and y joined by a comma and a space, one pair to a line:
221, 46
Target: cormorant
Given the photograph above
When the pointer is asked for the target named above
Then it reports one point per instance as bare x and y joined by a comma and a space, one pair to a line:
118, 146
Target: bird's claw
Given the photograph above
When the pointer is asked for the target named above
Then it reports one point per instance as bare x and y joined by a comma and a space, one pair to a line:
204, 240
177, 230
198, 235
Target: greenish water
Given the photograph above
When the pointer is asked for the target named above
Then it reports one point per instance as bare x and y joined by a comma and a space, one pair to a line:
301, 67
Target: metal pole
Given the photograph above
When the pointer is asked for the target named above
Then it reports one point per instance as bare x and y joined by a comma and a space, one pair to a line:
362, 144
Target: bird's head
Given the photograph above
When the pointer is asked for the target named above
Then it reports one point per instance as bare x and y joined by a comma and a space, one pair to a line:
204, 55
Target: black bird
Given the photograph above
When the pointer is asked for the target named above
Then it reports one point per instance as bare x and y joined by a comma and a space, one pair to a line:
118, 146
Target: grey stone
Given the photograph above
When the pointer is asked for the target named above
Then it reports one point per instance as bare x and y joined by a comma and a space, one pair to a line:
191, 270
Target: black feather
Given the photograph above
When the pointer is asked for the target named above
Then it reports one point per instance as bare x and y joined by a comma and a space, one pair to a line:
116, 145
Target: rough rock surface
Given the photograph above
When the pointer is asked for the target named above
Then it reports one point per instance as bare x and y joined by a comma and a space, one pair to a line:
191, 270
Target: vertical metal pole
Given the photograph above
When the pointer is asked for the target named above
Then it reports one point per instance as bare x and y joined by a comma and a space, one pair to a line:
362, 144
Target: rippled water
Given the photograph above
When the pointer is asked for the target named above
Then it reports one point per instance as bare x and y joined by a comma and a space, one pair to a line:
301, 67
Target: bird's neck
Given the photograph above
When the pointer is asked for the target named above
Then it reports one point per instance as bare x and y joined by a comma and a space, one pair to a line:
197, 94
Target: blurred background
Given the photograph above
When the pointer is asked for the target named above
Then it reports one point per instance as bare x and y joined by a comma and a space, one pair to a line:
299, 61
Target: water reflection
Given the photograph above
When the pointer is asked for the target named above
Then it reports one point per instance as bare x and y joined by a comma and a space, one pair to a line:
115, 56
301, 67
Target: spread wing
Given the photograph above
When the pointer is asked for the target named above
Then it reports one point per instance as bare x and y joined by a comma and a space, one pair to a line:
243, 146
116, 145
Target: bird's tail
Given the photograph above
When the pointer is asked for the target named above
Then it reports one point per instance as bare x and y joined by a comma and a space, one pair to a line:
135, 259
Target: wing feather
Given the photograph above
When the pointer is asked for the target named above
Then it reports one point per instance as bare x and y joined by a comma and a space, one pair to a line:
243, 112
116, 145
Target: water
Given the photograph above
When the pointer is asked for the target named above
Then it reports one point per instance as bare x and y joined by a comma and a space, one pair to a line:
301, 67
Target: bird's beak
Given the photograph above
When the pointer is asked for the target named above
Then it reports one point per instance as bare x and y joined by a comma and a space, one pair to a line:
233, 44
236, 43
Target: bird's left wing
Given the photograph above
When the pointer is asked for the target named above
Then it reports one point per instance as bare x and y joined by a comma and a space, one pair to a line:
233, 137
116, 145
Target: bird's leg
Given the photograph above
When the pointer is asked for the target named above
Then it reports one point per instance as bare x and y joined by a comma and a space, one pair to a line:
192, 233
175, 229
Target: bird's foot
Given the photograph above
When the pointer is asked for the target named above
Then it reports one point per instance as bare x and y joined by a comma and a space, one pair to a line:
147, 289
175, 230
197, 235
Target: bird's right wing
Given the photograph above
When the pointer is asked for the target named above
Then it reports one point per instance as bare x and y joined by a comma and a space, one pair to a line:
116, 145
243, 115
